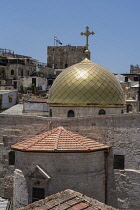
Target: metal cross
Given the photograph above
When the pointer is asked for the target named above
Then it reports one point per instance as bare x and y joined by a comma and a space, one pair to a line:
87, 33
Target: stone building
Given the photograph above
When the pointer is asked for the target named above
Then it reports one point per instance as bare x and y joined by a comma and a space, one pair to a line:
130, 83
57, 160
85, 89
36, 106
8, 98
61, 57
14, 66
134, 69
37, 82
131, 94
120, 132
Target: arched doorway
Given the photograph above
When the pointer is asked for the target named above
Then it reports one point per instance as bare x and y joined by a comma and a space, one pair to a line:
70, 113
129, 108
102, 112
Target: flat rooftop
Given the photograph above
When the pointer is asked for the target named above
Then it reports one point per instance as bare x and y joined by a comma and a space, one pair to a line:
7, 91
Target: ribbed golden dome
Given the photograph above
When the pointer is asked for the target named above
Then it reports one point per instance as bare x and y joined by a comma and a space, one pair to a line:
86, 83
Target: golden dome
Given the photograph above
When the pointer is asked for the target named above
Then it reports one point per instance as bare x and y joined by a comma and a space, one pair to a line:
86, 83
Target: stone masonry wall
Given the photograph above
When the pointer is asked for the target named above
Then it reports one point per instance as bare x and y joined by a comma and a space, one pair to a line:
82, 172
62, 111
121, 132
61, 57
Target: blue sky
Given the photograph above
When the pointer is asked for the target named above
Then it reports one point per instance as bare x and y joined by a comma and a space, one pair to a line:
29, 26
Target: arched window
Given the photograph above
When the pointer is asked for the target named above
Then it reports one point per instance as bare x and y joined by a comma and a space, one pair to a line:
50, 112
12, 72
11, 157
70, 113
101, 112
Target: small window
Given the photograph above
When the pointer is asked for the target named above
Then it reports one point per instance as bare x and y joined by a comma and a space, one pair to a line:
15, 84
10, 100
12, 72
37, 194
66, 65
136, 78
119, 162
12, 158
21, 72
126, 79
50, 82
101, 112
50, 112
70, 113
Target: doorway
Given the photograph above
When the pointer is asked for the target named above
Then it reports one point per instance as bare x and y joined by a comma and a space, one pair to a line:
37, 194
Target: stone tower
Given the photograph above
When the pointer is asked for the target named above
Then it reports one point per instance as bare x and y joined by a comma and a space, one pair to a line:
61, 57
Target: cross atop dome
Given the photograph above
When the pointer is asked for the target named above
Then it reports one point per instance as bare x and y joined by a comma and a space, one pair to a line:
87, 33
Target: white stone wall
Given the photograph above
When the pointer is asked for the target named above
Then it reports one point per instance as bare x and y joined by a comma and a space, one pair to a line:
27, 81
5, 98
20, 191
83, 172
42, 107
82, 111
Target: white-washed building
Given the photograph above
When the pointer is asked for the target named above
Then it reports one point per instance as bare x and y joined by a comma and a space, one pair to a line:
8, 98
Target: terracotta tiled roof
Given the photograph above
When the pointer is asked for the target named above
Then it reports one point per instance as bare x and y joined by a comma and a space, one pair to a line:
68, 199
59, 140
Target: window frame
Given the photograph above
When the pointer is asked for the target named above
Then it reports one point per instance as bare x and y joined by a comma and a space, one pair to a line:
119, 162
70, 113
11, 158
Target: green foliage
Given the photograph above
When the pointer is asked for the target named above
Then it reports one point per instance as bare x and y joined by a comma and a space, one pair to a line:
31, 86
24, 90
21, 87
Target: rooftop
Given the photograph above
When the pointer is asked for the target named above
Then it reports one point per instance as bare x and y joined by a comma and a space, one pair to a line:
68, 199
7, 91
38, 100
59, 140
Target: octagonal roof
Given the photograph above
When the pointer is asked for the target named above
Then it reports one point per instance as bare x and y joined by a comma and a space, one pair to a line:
59, 140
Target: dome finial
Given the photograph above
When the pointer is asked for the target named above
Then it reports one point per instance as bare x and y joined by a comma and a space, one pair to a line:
87, 54
87, 33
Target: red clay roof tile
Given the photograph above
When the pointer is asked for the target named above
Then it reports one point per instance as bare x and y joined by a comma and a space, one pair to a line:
68, 199
59, 140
